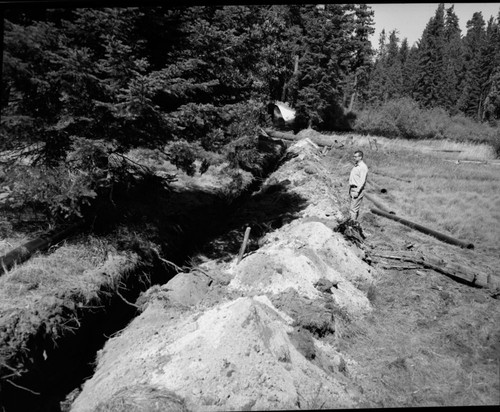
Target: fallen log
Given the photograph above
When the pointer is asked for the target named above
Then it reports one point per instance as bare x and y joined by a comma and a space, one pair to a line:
320, 140
458, 161
453, 270
24, 252
378, 204
423, 229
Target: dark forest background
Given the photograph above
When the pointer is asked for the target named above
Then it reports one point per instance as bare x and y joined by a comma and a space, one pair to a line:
187, 83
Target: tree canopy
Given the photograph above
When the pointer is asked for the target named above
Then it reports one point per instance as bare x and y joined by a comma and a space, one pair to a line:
84, 83
446, 69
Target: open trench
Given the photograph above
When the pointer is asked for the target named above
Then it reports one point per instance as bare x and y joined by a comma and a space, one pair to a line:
208, 225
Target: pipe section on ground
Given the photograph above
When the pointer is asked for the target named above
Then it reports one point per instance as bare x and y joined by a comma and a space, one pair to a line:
378, 204
377, 186
423, 229
24, 252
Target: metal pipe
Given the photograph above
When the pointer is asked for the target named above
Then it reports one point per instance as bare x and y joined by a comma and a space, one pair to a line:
378, 204
24, 252
423, 229
377, 186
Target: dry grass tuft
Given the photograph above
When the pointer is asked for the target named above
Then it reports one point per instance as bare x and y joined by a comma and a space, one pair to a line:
9, 243
422, 349
80, 269
142, 398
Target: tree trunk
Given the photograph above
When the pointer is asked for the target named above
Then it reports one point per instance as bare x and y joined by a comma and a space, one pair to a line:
295, 73
354, 93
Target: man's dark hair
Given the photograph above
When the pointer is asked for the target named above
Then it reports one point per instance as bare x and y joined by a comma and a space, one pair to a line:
359, 152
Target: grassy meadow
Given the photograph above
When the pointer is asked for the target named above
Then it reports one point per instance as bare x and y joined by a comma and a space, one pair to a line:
430, 340
433, 183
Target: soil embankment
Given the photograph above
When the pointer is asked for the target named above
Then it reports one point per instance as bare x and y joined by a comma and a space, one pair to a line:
259, 334
58, 308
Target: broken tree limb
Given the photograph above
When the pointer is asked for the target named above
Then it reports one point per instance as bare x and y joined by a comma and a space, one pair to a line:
378, 204
423, 229
453, 270
320, 140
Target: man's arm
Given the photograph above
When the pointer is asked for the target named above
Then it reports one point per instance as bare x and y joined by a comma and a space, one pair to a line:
362, 178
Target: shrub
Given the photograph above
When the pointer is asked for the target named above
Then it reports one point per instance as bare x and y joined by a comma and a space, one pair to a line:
496, 144
182, 155
464, 129
404, 118
374, 121
244, 154
57, 192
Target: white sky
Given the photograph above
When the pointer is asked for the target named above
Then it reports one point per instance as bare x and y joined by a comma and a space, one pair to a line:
410, 19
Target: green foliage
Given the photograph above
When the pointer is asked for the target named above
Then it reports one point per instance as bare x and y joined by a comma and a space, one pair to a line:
334, 45
445, 70
57, 192
405, 118
243, 153
182, 155
90, 85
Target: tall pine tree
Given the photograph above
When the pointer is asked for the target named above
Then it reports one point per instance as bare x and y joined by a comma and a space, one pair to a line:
430, 71
470, 101
453, 61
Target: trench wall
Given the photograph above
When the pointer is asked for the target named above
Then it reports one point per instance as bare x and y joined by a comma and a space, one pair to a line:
260, 334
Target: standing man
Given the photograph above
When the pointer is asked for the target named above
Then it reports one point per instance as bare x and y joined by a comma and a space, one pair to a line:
357, 181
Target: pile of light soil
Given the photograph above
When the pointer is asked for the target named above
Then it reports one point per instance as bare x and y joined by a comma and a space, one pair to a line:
260, 334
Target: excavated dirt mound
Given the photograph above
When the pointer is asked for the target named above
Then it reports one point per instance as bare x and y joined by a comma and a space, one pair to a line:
258, 335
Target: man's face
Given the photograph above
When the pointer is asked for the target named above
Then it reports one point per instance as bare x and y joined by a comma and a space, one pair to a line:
357, 158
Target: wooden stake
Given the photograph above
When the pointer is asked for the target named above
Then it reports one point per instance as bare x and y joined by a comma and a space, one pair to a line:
243, 245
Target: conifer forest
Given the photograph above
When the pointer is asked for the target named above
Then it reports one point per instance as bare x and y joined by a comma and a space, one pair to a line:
196, 82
